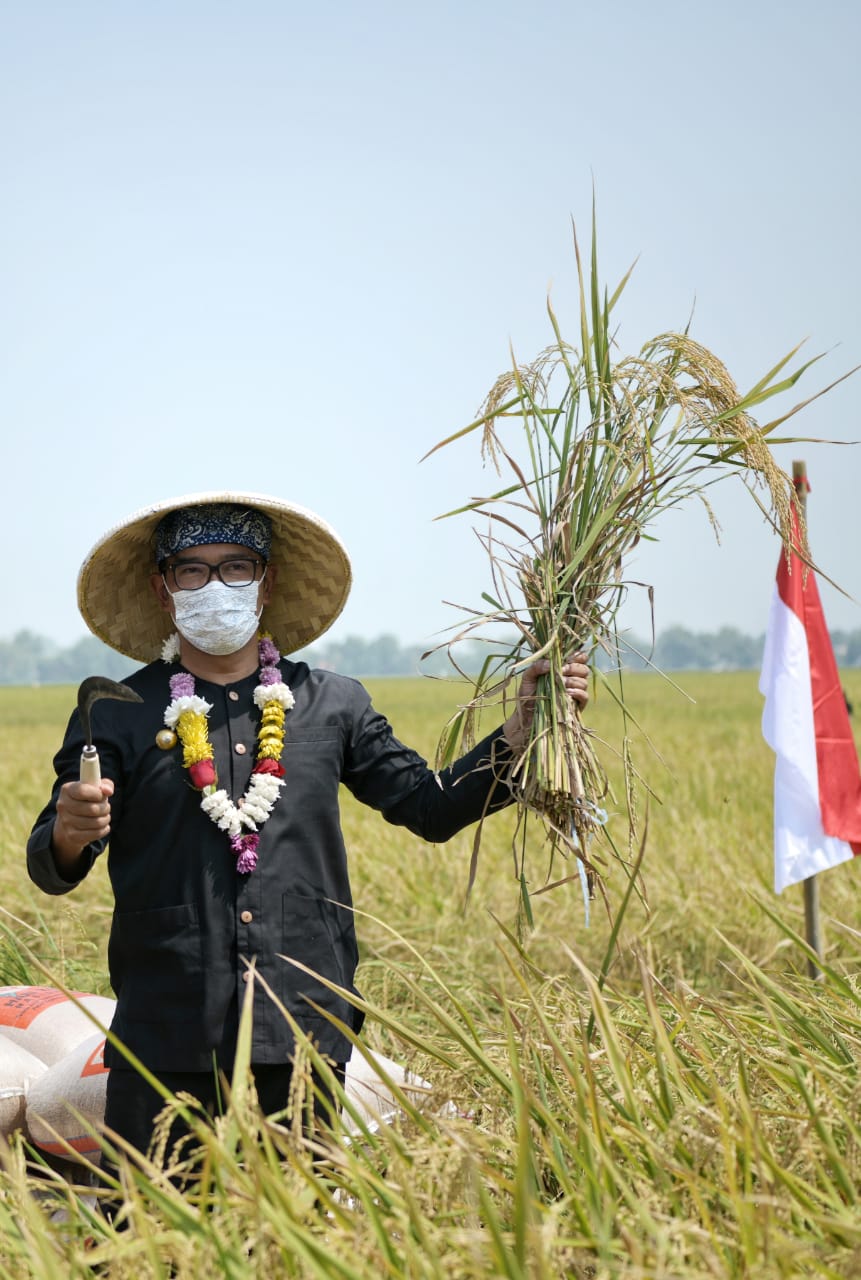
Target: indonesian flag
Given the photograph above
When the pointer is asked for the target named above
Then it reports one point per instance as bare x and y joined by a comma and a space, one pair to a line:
817, 782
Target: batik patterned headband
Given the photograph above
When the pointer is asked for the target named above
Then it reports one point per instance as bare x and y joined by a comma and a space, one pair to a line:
213, 522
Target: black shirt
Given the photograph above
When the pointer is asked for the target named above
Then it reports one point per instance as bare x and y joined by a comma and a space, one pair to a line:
186, 923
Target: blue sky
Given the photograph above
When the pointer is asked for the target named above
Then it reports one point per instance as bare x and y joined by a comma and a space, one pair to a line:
285, 248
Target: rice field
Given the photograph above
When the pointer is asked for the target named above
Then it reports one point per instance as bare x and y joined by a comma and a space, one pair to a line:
683, 1104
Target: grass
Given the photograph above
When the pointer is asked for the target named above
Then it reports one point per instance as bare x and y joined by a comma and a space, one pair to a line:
696, 1116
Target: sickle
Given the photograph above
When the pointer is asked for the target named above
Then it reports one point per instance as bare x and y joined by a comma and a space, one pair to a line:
93, 688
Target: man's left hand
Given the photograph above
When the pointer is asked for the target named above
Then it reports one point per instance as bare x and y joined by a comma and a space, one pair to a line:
575, 674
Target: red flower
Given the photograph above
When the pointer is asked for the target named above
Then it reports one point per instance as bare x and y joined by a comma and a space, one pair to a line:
202, 773
267, 765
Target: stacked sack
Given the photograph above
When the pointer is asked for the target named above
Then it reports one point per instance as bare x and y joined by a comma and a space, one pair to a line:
53, 1077
18, 1070
67, 1103
51, 1066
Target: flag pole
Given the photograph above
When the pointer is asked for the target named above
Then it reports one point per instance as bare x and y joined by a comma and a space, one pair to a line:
811, 884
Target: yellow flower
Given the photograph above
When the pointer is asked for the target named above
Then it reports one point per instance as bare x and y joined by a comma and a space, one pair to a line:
270, 747
193, 734
270, 738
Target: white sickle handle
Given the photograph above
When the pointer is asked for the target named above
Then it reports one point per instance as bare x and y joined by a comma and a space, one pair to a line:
90, 770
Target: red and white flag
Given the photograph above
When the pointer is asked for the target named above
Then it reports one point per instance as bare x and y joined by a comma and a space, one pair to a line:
817, 781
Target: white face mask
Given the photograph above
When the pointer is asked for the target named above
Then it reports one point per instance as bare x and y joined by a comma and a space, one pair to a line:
218, 619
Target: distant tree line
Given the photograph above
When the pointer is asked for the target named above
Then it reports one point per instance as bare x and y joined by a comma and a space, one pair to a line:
31, 659
678, 649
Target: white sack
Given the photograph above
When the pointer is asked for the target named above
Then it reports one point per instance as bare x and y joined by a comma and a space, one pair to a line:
18, 1070
373, 1100
48, 1024
66, 1103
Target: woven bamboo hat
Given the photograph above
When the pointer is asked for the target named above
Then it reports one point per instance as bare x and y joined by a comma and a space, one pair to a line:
119, 606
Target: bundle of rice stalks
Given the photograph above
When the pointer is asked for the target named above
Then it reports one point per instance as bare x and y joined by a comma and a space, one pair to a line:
594, 446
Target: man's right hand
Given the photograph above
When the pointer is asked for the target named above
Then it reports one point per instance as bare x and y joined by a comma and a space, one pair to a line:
83, 815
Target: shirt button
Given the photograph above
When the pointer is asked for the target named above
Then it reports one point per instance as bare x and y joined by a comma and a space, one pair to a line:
233, 695
246, 917
240, 748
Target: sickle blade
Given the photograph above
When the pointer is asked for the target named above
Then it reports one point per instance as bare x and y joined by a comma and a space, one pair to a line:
94, 688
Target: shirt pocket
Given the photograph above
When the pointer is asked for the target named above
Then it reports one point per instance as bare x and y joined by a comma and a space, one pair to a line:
156, 964
326, 733
321, 935
313, 761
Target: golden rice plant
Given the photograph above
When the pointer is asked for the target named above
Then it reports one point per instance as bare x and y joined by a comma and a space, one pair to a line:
593, 446
569, 1131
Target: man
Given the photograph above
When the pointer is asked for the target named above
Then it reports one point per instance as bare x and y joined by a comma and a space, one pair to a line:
219, 793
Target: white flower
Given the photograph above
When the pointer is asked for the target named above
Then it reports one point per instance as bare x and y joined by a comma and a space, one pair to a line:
220, 808
252, 813
260, 797
265, 786
187, 703
170, 649
274, 693
216, 803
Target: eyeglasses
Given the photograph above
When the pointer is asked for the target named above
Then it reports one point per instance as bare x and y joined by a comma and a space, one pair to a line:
191, 575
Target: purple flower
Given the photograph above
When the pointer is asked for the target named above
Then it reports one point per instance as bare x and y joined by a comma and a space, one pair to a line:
270, 675
245, 848
182, 685
246, 862
267, 653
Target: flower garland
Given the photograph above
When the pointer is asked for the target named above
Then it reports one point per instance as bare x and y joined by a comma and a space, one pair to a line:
188, 715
